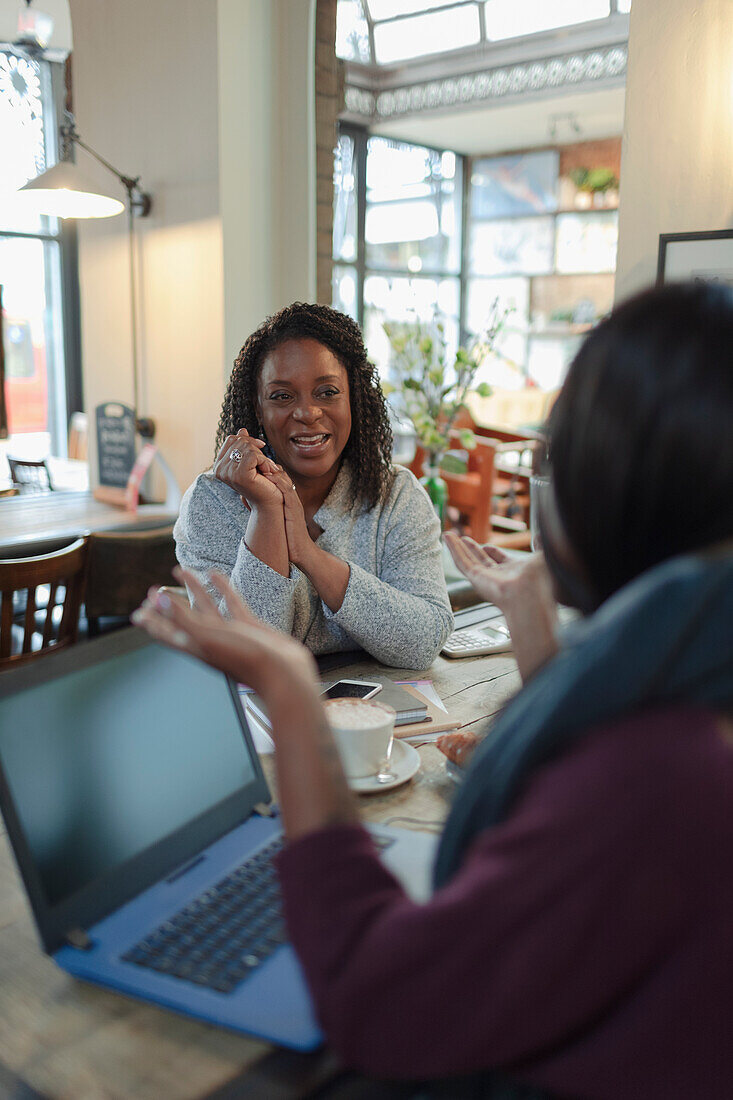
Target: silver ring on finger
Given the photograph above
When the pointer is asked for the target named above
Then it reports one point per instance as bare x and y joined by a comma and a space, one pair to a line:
235, 455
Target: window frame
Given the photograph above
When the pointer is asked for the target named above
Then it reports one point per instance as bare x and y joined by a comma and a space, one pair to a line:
54, 103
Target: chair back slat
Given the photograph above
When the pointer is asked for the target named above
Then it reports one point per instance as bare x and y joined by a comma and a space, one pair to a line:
50, 608
64, 572
6, 623
30, 619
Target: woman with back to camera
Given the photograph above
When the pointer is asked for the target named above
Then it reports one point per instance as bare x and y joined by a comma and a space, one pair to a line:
578, 940
303, 510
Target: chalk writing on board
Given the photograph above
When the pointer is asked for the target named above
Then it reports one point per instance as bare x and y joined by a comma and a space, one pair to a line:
115, 443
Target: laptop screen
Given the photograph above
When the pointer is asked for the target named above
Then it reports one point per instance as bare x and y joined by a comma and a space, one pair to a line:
111, 758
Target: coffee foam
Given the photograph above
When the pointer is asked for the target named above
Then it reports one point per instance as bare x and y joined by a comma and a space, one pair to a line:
355, 715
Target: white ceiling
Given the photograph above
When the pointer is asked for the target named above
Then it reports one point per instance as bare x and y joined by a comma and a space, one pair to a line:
493, 129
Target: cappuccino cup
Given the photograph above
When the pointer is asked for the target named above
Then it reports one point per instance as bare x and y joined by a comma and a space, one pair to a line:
363, 734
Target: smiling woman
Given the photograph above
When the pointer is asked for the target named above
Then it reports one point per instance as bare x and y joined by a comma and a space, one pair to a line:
303, 509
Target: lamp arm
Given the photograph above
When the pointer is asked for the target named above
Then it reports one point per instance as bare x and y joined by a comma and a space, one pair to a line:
126, 181
140, 201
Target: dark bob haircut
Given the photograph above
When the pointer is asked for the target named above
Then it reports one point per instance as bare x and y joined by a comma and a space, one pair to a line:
641, 436
369, 447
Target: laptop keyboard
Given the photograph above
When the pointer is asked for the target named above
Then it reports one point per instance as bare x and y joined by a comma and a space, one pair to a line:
224, 934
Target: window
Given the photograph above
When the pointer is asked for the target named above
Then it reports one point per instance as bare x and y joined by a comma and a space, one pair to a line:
40, 321
397, 235
540, 236
388, 32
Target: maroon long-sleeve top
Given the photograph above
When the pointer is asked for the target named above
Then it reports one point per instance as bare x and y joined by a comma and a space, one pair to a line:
585, 945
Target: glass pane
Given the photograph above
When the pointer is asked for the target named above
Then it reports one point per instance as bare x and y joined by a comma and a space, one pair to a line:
624, 6
521, 246
352, 32
506, 369
386, 9
413, 208
21, 139
34, 389
344, 200
400, 298
549, 360
343, 290
509, 19
505, 186
562, 300
426, 34
587, 242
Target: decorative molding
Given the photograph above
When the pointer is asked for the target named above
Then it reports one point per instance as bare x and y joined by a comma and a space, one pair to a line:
565, 72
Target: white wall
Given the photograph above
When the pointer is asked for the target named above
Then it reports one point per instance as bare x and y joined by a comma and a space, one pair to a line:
677, 158
145, 97
267, 156
210, 103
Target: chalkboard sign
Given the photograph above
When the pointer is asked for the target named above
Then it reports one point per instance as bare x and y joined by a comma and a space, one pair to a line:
115, 443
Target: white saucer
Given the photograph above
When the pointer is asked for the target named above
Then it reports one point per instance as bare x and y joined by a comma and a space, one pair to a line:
403, 765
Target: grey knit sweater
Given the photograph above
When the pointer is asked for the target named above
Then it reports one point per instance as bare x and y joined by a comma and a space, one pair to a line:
396, 604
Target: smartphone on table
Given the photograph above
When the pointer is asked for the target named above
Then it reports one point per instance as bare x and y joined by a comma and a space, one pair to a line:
352, 689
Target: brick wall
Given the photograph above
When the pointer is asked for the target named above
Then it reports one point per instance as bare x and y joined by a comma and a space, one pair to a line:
329, 96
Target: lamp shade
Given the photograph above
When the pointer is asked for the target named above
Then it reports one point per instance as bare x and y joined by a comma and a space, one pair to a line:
64, 191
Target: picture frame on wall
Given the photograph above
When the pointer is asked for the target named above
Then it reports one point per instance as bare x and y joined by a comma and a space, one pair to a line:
702, 257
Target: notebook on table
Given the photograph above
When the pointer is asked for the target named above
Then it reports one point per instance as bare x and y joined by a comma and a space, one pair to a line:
408, 707
139, 817
415, 715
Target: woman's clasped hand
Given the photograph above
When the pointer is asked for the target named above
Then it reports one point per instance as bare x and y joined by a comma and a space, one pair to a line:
264, 486
242, 465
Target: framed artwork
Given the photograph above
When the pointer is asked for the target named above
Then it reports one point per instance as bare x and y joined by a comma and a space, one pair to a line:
702, 257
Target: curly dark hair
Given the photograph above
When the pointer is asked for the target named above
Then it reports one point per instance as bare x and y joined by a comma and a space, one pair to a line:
369, 446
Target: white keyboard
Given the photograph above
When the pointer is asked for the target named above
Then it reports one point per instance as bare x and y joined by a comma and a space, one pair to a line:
479, 640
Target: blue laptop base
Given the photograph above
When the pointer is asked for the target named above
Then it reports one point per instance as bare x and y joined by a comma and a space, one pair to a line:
273, 1000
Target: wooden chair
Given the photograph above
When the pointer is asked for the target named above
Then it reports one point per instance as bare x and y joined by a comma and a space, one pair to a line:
122, 567
48, 621
471, 496
515, 455
30, 476
78, 436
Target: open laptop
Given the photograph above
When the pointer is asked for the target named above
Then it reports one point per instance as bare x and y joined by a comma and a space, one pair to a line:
138, 813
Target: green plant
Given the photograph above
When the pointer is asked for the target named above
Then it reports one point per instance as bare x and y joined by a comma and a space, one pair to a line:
430, 385
594, 179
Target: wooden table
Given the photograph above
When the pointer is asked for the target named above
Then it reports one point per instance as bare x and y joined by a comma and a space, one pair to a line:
60, 1038
29, 521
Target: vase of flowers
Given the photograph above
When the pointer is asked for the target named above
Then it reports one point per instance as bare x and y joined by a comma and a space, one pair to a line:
429, 386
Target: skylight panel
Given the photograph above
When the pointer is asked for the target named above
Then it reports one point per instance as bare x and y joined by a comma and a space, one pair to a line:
509, 19
352, 32
387, 9
433, 32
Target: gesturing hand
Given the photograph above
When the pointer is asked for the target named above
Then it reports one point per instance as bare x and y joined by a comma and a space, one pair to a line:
504, 581
522, 589
242, 465
242, 646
